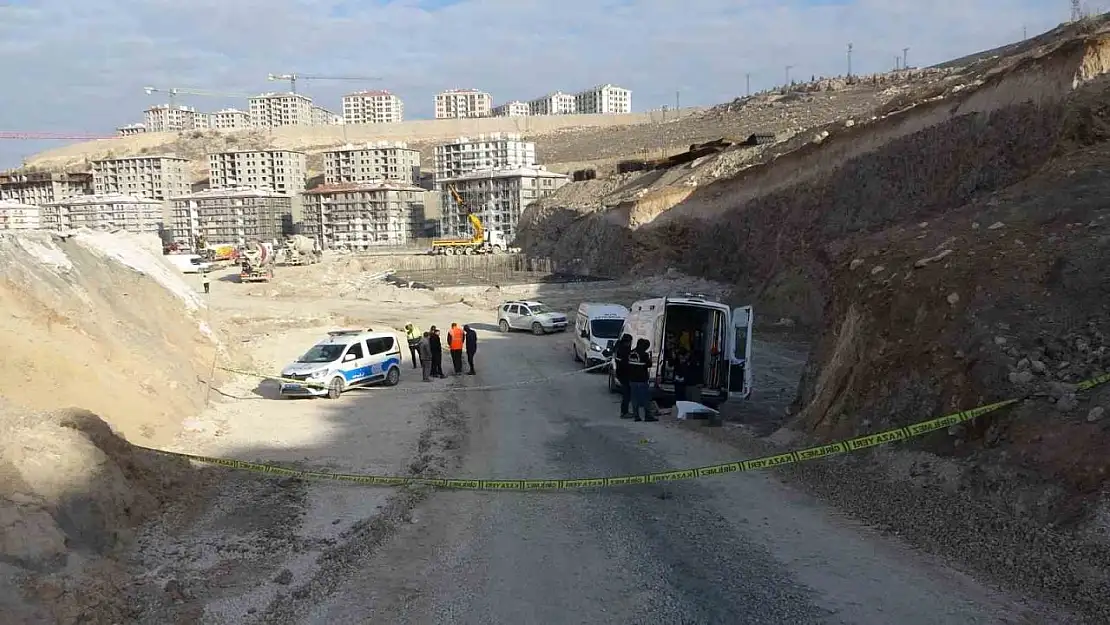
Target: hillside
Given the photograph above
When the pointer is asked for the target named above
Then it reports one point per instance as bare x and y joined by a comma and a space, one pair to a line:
945, 251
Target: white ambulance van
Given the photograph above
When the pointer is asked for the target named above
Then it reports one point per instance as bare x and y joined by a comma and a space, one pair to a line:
597, 328
718, 339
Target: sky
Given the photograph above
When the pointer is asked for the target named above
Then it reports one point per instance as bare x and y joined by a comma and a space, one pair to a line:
73, 66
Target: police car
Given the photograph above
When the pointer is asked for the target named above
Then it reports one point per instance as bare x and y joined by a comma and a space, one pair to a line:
344, 360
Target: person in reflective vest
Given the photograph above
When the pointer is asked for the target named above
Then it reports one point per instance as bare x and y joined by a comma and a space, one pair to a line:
412, 333
455, 343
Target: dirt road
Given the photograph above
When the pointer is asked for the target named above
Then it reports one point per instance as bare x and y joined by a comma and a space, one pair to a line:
735, 549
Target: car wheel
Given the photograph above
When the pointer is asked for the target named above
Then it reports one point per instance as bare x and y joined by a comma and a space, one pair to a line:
393, 377
537, 328
335, 388
503, 325
577, 358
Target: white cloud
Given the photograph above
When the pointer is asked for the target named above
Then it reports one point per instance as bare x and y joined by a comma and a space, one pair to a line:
81, 66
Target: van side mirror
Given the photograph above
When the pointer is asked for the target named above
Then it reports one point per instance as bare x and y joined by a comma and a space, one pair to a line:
348, 357
585, 333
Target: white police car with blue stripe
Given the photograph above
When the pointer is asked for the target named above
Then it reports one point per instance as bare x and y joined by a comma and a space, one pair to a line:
344, 360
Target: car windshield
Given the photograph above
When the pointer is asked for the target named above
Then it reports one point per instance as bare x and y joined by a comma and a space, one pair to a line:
606, 328
322, 353
538, 309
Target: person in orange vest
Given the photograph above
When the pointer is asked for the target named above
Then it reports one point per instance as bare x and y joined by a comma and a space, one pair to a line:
455, 339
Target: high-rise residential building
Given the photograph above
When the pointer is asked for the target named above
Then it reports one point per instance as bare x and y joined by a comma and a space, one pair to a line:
230, 119
556, 103
372, 107
231, 216
362, 216
371, 162
272, 110
19, 216
608, 99
496, 150
155, 177
516, 108
284, 171
323, 117
456, 103
131, 130
496, 196
43, 187
166, 118
105, 212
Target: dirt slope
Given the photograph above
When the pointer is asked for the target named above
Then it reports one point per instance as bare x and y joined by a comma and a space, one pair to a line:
94, 325
947, 254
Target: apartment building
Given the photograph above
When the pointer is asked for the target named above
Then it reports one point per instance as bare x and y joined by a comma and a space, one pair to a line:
271, 110
496, 150
497, 197
516, 108
230, 216
323, 117
130, 130
372, 107
230, 119
607, 99
283, 171
557, 103
166, 118
456, 103
155, 177
362, 216
105, 212
19, 216
43, 187
383, 160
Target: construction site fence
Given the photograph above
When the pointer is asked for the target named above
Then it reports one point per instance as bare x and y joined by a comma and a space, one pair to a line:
488, 267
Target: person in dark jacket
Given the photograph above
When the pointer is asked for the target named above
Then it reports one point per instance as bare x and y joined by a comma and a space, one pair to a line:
424, 346
437, 353
639, 372
620, 371
471, 346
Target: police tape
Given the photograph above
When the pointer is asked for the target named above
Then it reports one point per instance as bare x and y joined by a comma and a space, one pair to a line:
418, 390
765, 462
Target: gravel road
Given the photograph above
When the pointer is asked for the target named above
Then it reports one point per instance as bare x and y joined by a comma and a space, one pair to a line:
731, 549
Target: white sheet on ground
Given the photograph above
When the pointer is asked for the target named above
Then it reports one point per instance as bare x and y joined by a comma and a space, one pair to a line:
686, 408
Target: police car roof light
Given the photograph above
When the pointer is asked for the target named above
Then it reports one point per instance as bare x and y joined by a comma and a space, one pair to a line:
345, 332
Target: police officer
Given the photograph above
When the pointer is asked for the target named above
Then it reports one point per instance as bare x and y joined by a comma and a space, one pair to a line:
412, 333
620, 371
639, 372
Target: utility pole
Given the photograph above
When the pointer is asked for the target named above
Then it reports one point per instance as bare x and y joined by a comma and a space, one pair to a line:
1024, 33
788, 68
905, 57
748, 83
676, 106
897, 62
849, 60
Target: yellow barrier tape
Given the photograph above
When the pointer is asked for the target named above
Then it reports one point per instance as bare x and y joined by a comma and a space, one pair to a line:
766, 462
453, 389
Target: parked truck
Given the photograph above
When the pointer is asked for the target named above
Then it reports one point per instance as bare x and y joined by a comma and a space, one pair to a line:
301, 250
481, 242
257, 262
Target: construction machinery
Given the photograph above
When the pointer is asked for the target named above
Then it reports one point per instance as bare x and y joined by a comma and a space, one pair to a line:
481, 242
301, 250
256, 262
293, 78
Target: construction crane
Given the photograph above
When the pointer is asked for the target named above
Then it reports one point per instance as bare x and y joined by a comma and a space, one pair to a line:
173, 92
37, 136
293, 78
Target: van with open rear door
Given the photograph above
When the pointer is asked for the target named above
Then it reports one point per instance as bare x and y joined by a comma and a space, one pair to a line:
719, 340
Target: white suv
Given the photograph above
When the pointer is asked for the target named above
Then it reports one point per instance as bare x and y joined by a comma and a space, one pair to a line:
534, 316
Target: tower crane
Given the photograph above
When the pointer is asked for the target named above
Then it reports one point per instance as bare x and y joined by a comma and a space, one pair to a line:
293, 78
63, 136
173, 92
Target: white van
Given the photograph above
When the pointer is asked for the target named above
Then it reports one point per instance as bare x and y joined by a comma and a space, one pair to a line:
719, 339
346, 359
597, 328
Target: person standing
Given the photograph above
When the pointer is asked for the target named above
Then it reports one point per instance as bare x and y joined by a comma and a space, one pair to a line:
471, 346
639, 372
205, 281
620, 371
455, 339
681, 374
437, 353
424, 346
412, 333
